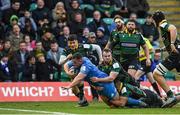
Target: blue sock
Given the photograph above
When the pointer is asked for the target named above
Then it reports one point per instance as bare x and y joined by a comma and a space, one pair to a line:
132, 102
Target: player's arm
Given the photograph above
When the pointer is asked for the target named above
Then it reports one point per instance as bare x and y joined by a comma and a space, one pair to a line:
67, 69
146, 51
112, 76
173, 34
96, 48
76, 80
108, 45
63, 59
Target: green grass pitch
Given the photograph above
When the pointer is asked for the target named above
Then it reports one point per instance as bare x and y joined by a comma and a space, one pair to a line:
67, 108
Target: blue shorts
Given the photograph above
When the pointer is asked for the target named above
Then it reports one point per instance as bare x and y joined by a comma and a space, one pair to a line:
108, 90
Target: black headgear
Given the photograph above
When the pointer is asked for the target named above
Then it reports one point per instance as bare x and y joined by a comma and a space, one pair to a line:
158, 16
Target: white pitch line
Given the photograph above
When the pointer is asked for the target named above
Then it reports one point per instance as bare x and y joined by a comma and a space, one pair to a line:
35, 111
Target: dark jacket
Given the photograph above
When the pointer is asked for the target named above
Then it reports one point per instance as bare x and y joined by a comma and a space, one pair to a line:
7, 76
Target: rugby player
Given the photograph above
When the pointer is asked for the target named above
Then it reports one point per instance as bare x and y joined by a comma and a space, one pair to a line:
172, 44
73, 47
107, 91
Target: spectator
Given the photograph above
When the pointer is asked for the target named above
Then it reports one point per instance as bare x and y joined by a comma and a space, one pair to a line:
106, 7
46, 39
53, 56
30, 44
39, 49
97, 22
14, 10
27, 17
7, 73
133, 16
140, 7
58, 30
44, 70
58, 14
101, 38
29, 29
19, 58
74, 4
7, 48
150, 31
84, 37
29, 73
13, 21
91, 38
15, 37
55, 52
4, 5
121, 8
42, 14
62, 39
78, 24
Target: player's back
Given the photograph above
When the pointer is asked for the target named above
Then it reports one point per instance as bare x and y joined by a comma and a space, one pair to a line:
88, 68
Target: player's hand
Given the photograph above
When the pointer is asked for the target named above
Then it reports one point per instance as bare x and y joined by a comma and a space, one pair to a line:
173, 49
69, 56
148, 62
94, 79
100, 62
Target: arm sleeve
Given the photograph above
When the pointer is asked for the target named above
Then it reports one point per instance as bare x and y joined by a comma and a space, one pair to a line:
84, 70
98, 50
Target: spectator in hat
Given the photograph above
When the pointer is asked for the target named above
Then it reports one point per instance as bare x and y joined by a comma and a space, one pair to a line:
101, 39
13, 21
14, 10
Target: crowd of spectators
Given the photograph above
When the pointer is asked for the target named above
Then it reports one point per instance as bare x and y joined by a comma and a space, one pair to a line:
33, 33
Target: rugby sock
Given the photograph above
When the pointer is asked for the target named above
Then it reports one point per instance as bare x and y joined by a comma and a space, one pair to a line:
170, 94
81, 93
155, 86
133, 102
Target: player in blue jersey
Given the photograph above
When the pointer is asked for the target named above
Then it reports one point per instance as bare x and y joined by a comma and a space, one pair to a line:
107, 91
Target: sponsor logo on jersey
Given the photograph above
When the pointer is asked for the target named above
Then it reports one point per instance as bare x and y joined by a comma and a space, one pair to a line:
129, 45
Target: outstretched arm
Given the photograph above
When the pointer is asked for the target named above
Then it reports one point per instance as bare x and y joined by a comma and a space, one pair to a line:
76, 80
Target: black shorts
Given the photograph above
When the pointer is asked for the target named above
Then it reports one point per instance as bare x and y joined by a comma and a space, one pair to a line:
145, 68
172, 62
152, 99
131, 64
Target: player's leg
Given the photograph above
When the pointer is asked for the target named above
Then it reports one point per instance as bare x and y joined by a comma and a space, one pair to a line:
82, 99
95, 96
79, 92
158, 75
171, 102
152, 99
153, 83
133, 67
